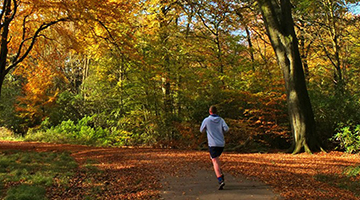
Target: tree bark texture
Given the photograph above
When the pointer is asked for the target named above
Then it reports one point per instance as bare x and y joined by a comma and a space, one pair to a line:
280, 28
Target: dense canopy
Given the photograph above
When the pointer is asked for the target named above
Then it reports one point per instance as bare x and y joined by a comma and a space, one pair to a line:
118, 72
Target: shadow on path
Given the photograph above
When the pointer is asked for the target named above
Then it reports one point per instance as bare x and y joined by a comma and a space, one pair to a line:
203, 185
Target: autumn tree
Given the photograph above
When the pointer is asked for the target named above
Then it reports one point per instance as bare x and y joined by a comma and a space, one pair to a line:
22, 23
149, 69
324, 31
280, 27
246, 15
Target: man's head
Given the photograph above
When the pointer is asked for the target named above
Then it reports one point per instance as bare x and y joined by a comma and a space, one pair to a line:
213, 110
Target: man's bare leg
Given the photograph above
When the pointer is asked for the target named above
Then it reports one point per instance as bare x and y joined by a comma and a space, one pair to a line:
219, 175
216, 164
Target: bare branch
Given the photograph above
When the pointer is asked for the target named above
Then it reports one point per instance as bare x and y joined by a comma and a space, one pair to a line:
33, 40
203, 21
111, 36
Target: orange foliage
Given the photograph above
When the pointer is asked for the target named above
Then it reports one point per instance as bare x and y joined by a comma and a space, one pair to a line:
103, 20
39, 91
190, 136
259, 117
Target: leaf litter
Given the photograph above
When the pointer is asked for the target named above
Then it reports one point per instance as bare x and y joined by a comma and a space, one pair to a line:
136, 173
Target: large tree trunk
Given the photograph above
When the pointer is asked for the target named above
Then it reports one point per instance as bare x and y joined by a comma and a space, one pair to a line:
2, 79
280, 28
6, 18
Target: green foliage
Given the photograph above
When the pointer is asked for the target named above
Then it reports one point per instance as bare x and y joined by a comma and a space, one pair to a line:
68, 107
34, 171
7, 134
348, 137
8, 115
83, 132
333, 111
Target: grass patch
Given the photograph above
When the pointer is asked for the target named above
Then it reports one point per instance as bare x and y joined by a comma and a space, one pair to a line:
348, 180
26, 192
25, 175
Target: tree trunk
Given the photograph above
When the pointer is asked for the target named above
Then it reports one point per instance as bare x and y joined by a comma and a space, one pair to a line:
280, 28
335, 59
2, 79
304, 50
248, 38
166, 64
166, 85
6, 18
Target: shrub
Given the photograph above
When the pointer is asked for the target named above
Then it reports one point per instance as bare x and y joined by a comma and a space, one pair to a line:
83, 132
348, 137
332, 109
7, 134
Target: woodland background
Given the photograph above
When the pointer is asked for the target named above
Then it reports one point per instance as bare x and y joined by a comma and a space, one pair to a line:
121, 73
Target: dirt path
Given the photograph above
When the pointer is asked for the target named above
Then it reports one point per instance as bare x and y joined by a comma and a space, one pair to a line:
203, 185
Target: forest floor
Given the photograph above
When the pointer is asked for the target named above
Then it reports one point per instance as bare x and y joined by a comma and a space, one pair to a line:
146, 173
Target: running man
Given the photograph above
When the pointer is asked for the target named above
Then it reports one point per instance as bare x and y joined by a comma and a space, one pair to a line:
215, 127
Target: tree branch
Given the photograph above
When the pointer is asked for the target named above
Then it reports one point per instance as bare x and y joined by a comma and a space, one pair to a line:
15, 10
2, 12
111, 36
33, 40
203, 21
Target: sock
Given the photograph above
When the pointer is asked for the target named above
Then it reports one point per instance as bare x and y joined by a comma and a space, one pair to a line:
220, 179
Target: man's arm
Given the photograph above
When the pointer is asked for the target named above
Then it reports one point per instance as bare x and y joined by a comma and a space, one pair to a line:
225, 126
203, 127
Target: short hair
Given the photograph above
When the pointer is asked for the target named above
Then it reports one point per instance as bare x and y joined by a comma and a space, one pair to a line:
213, 109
